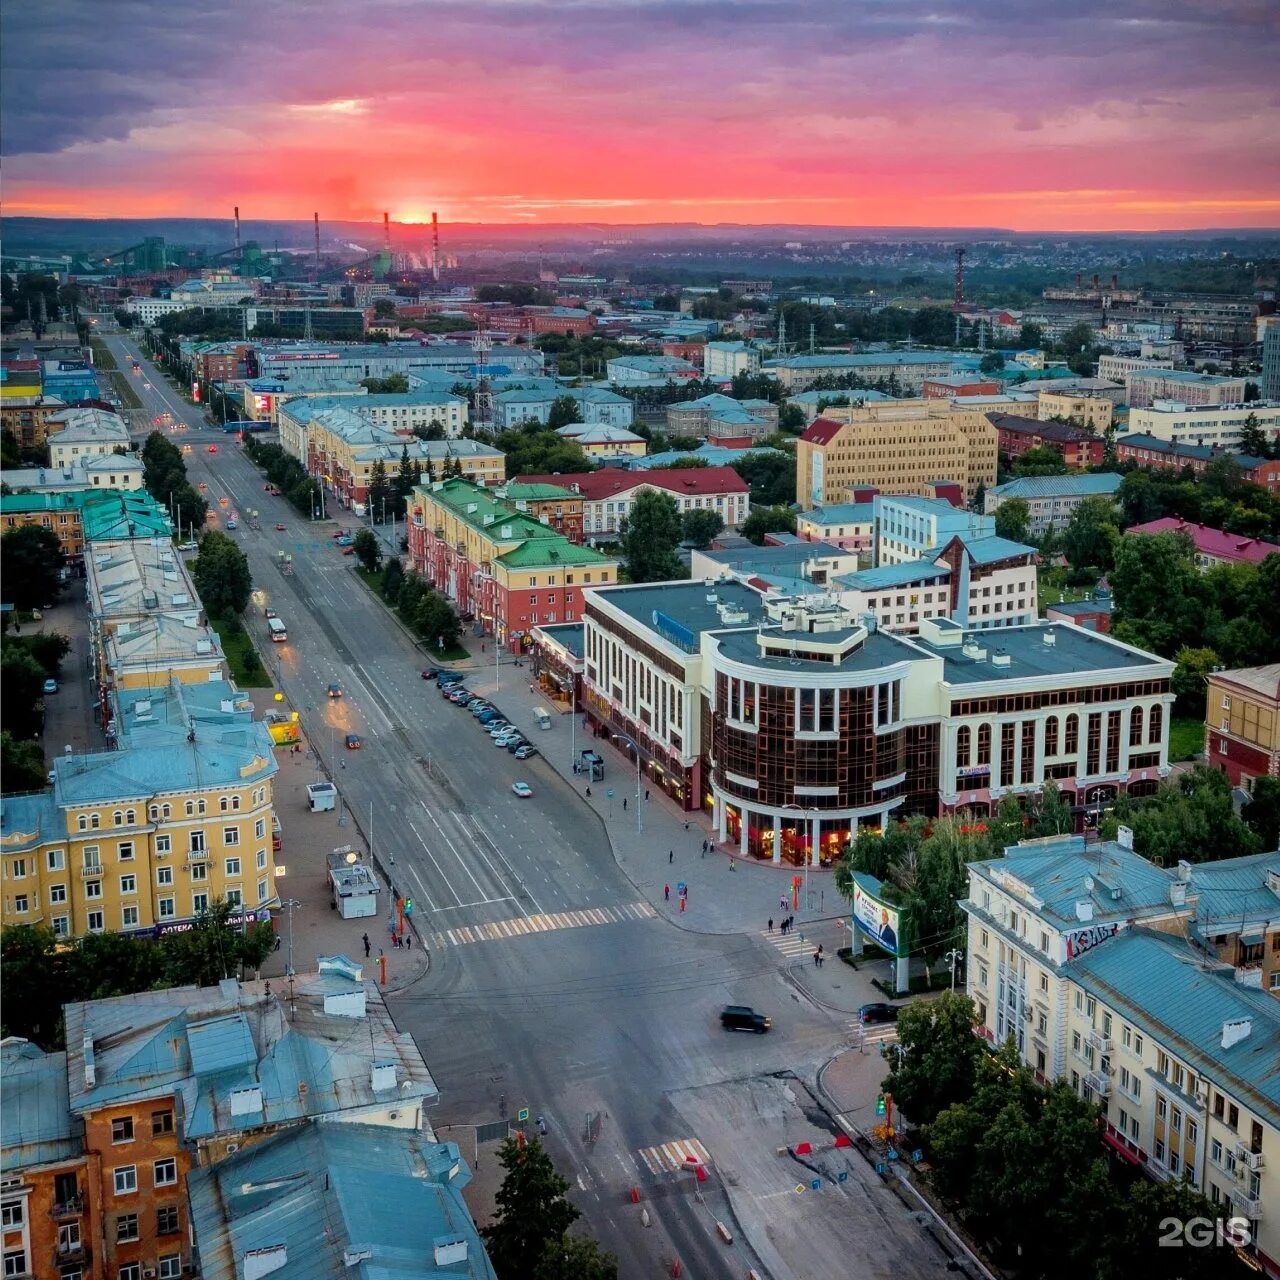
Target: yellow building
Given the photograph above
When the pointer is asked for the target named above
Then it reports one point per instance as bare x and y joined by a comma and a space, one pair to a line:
148, 837
1242, 724
896, 447
1093, 413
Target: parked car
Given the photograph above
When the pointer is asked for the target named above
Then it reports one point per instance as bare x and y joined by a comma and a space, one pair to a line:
741, 1017
515, 743
430, 673
213, 448
353, 742
344, 541
280, 528
348, 551
524, 751
51, 686
522, 789
231, 524
871, 1013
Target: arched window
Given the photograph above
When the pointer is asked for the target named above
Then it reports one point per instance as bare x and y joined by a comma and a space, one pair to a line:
131, 817
984, 744
167, 811
82, 822
1135, 727
200, 805
190, 807
1051, 736
1072, 744
153, 812
1155, 726
117, 819
963, 746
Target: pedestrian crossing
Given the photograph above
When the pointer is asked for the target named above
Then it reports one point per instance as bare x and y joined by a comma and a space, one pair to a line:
881, 1033
792, 945
546, 922
673, 1156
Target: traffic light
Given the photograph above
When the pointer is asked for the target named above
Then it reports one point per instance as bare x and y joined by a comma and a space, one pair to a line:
880, 1104
408, 906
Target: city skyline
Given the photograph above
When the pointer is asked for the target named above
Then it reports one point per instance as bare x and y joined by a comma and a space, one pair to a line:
1140, 116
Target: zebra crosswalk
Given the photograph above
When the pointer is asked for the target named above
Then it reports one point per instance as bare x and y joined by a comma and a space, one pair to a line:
881, 1033
673, 1156
791, 945
546, 922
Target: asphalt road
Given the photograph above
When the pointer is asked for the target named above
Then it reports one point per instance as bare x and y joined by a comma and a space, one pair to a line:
605, 1012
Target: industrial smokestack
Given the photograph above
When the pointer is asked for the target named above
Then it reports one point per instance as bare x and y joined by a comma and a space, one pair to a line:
317, 218
435, 247
1095, 281
237, 231
1115, 283
386, 231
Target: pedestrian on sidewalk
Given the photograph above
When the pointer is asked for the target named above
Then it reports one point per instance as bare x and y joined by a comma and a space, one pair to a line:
733, 866
408, 941
817, 960
770, 924
365, 940
704, 848
666, 893
624, 804
782, 902
588, 793
646, 794
671, 857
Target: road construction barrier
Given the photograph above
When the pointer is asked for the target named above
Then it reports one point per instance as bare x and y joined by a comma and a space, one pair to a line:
635, 1195
644, 1217
725, 1234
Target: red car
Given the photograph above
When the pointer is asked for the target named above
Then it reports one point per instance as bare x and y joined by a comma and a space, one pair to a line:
213, 448
348, 551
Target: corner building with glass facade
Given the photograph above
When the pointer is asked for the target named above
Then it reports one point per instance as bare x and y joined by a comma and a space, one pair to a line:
796, 724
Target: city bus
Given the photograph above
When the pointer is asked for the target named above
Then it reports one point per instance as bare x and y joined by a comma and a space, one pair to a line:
277, 628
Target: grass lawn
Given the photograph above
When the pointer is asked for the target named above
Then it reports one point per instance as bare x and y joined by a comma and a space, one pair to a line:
1051, 587
237, 647
372, 578
1186, 738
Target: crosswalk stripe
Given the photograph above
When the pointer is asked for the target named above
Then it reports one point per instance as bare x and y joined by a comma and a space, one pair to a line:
670, 1157
521, 926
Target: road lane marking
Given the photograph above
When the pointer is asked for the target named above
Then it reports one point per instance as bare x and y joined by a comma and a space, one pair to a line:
462, 862
670, 1157
430, 855
790, 944
884, 1033
519, 926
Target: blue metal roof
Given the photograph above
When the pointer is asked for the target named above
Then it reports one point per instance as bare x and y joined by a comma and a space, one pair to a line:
1162, 985
220, 1044
36, 1124
894, 575
990, 550
1083, 486
842, 513
339, 1202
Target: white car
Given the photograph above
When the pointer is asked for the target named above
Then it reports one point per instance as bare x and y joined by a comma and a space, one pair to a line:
522, 789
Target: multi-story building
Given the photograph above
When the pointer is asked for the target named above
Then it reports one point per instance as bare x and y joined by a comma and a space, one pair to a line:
597, 407
1145, 386
1095, 388
849, 525
911, 527
71, 379
895, 447
784, 565
955, 386
1093, 413
1079, 448
1242, 723
119, 471
1271, 362
149, 310
909, 370
76, 434
1143, 986
82, 516
795, 724
552, 504
149, 836
1212, 546
649, 370
508, 569
21, 381
1052, 500
608, 494
263, 397
343, 362
602, 443
723, 360
1216, 425
1148, 451
405, 412
26, 418
1117, 368
222, 361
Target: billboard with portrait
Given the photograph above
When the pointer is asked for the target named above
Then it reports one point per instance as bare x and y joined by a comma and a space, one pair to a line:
880, 922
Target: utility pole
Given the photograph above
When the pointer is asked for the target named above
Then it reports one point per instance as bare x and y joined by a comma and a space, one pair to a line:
952, 958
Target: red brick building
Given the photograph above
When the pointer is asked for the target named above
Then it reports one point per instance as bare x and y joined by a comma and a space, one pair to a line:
693, 352
958, 384
1079, 448
1151, 451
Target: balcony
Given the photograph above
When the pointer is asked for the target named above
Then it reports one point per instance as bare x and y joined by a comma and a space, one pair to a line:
67, 1254
1099, 1083
1096, 1040
68, 1209
1243, 1203
91, 872
1247, 1159
199, 855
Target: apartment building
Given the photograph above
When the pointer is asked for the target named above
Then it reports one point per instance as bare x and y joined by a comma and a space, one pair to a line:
76, 434
653, 371
26, 417
1093, 413
724, 360
895, 447
848, 525
1212, 546
609, 493
1079, 447
81, 516
1144, 387
778, 714
1148, 451
1117, 368
507, 568
597, 407
601, 443
954, 386
1147, 988
149, 310
1271, 362
909, 370
1052, 500
912, 528
718, 415
1214, 425
352, 362
1242, 723
551, 504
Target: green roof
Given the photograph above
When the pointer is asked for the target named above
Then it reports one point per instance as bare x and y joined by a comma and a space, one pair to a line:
546, 552
12, 503
117, 513
517, 490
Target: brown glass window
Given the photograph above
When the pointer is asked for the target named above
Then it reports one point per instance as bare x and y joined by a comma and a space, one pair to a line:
1051, 736
1135, 727
984, 744
1072, 744
1027, 773
963, 746
1155, 726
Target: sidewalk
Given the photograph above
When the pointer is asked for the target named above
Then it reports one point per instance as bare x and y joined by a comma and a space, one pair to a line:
726, 892
317, 928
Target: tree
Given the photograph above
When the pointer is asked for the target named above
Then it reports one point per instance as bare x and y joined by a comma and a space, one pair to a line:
437, 621
22, 765
1188, 682
21, 690
368, 552
576, 1258
699, 526
31, 562
1043, 460
650, 536
539, 451
1013, 520
1262, 811
1157, 592
791, 418
221, 575
394, 385
392, 580
384, 308
380, 491
531, 1209
1091, 536
764, 520
1030, 337
938, 1062
992, 362
1253, 440
564, 410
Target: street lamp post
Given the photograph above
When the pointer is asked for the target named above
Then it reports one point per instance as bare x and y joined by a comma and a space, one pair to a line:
804, 813
289, 904
635, 746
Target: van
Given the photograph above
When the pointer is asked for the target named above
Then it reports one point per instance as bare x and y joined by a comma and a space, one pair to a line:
739, 1017
543, 717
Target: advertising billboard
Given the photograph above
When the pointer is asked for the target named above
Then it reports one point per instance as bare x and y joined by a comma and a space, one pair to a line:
880, 921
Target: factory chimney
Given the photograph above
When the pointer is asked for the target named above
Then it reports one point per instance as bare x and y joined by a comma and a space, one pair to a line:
435, 247
237, 231
386, 232
317, 218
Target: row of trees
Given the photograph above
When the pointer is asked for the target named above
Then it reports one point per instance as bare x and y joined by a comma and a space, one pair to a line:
1220, 497
421, 606
286, 473
1024, 1164
164, 475
42, 973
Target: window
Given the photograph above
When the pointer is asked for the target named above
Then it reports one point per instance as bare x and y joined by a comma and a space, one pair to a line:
199, 871
15, 1262
164, 844
128, 886
260, 829
199, 903
128, 917
126, 1227
170, 1266
95, 922
56, 859
61, 926
57, 893
230, 835
130, 1271
125, 851
166, 1172
1233, 1117
165, 908
164, 875
92, 857
234, 897
93, 888
11, 1213
122, 1129
197, 841
125, 1179
20, 904
1137, 1044
233, 866
262, 859
161, 1122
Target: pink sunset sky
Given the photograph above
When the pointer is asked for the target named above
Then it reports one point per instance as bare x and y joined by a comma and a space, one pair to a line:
1026, 114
